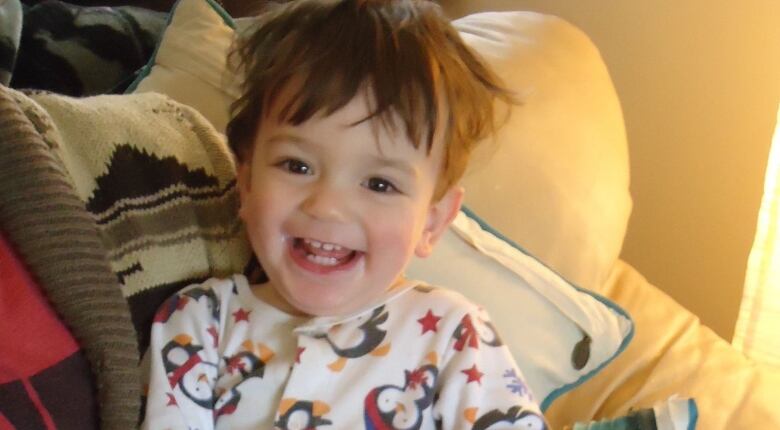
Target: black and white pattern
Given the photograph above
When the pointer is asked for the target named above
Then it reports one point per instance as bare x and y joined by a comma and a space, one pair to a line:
78, 50
10, 32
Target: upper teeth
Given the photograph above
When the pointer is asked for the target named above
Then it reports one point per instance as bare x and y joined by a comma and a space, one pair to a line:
326, 246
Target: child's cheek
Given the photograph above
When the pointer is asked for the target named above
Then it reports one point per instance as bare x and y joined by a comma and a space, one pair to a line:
393, 234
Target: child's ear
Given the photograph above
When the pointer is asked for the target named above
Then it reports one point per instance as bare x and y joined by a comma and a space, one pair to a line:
440, 215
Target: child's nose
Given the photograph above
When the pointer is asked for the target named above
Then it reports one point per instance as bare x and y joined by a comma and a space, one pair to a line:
327, 203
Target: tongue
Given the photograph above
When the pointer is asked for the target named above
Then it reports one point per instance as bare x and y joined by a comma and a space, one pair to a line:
337, 254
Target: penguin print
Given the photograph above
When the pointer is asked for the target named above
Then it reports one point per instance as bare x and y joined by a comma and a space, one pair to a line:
187, 370
487, 333
301, 415
251, 361
470, 333
465, 334
177, 302
392, 407
212, 302
370, 337
173, 304
227, 404
515, 416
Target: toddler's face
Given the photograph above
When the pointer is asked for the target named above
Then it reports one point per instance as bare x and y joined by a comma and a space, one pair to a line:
335, 212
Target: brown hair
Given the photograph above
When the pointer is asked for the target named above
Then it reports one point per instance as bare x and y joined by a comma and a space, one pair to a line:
405, 52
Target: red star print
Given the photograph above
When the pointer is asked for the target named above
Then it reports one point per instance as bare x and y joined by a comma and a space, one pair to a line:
171, 400
473, 374
241, 315
298, 354
214, 335
429, 322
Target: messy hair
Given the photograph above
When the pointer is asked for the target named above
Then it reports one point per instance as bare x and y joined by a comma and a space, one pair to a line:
405, 53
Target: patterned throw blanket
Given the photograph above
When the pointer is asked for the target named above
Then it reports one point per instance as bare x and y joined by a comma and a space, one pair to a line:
160, 184
90, 190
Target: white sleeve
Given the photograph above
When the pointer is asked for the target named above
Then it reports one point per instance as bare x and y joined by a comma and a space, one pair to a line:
481, 386
182, 362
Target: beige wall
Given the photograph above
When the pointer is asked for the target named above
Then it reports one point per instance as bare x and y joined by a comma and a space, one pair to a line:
699, 81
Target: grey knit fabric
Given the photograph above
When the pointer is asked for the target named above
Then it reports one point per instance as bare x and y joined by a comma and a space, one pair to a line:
57, 238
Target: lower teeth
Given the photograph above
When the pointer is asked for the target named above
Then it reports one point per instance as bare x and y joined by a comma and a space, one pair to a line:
322, 261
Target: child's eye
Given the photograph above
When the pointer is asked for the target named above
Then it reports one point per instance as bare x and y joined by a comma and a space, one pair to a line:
297, 167
380, 185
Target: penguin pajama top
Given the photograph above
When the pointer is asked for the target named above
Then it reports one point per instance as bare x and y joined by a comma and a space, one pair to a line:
426, 358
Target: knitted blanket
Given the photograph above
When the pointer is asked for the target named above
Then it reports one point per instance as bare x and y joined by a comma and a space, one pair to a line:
115, 202
159, 182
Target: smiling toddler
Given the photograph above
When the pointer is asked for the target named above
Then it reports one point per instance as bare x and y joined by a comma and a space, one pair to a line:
355, 125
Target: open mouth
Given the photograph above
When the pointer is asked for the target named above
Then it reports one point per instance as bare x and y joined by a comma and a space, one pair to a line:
322, 257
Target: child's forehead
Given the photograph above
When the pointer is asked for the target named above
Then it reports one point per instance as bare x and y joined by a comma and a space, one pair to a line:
387, 125
374, 134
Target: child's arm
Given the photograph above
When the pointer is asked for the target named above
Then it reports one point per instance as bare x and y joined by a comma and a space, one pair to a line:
181, 364
481, 386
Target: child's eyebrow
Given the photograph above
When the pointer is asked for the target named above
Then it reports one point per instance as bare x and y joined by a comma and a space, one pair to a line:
374, 160
288, 137
396, 164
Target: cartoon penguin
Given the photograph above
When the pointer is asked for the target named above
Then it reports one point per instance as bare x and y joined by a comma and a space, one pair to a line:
227, 404
251, 361
174, 303
468, 333
187, 370
211, 299
371, 337
391, 407
514, 416
301, 415
487, 333
178, 301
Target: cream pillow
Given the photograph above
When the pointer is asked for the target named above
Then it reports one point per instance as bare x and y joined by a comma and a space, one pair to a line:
190, 61
558, 181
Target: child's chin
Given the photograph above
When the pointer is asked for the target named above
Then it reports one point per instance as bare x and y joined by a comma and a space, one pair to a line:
322, 306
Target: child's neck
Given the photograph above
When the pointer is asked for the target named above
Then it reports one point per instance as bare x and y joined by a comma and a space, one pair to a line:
270, 296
